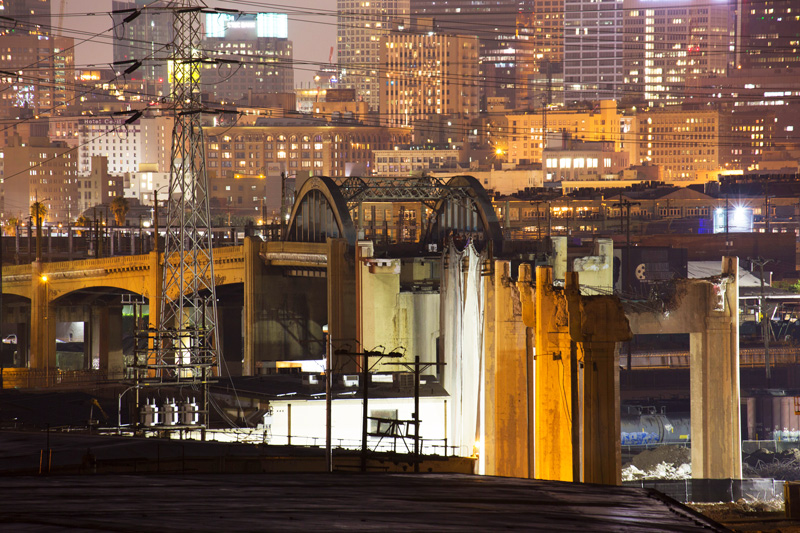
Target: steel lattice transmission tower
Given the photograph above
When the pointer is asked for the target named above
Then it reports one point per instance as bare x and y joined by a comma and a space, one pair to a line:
187, 346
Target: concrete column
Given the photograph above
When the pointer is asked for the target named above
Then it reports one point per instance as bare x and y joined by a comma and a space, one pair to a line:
511, 434
114, 363
22, 358
43, 323
488, 459
154, 286
341, 321
751, 418
602, 460
602, 319
776, 414
554, 408
98, 339
559, 257
714, 351
254, 320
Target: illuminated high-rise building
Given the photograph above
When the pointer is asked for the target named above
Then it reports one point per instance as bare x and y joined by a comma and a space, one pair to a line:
427, 74
512, 34
63, 73
770, 34
361, 25
146, 38
29, 16
256, 54
30, 91
666, 42
593, 42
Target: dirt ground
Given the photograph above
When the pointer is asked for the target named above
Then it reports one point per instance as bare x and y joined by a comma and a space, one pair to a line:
762, 517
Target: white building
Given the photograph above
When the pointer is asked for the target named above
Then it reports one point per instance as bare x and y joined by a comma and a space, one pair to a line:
403, 163
125, 146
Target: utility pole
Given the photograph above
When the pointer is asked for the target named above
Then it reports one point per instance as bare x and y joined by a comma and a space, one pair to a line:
766, 207
765, 321
626, 204
283, 205
328, 399
365, 374
183, 350
417, 367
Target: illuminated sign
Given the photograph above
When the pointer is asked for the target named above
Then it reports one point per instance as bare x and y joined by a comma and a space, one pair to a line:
266, 24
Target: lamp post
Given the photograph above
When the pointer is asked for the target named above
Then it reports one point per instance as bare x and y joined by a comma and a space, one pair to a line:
328, 399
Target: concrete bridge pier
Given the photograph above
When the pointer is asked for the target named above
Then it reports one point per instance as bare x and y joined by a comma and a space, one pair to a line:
43, 321
105, 339
708, 310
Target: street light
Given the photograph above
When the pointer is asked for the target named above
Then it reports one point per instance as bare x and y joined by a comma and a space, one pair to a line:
328, 399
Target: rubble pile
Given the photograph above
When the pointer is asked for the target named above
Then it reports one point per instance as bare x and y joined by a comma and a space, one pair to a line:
763, 463
663, 462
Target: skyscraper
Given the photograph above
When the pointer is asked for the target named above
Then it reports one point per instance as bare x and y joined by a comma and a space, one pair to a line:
666, 42
257, 54
361, 24
770, 34
30, 16
146, 38
507, 30
593, 42
427, 74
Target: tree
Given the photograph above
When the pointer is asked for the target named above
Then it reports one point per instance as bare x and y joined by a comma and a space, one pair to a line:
38, 212
119, 208
11, 226
83, 222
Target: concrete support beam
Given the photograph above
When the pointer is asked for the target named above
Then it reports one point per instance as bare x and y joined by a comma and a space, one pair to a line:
555, 378
507, 413
341, 293
254, 312
43, 324
708, 310
114, 363
714, 376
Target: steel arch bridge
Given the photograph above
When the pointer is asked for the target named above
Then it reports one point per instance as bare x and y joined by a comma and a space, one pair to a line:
421, 210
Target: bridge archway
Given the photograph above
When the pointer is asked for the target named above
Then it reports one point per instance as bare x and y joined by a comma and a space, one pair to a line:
319, 212
467, 212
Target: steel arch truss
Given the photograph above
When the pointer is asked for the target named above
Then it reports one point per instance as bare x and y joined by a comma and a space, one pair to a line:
330, 208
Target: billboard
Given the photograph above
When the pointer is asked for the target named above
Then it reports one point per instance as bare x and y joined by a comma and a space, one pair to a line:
733, 219
221, 25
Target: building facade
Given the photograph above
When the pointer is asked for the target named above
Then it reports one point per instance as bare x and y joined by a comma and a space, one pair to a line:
566, 159
257, 55
770, 34
668, 42
361, 25
427, 74
244, 162
144, 39
593, 43
526, 131
686, 143
30, 91
404, 163
35, 169
125, 146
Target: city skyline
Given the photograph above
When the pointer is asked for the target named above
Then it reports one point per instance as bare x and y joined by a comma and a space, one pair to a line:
322, 28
